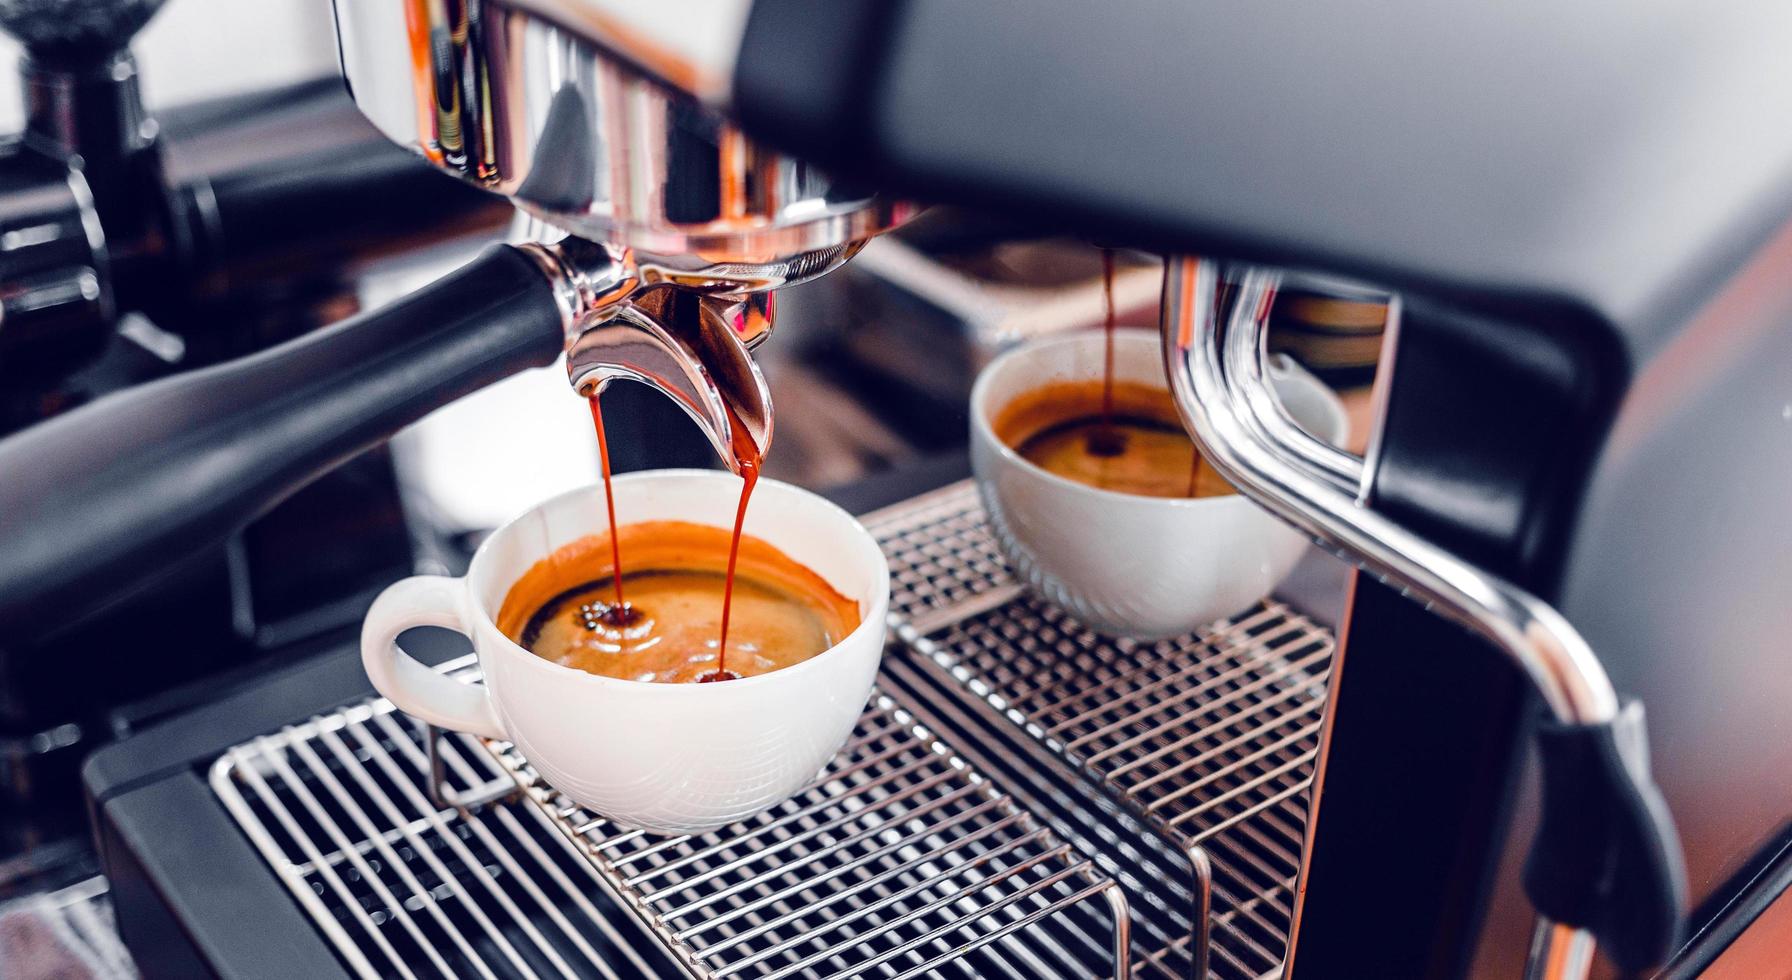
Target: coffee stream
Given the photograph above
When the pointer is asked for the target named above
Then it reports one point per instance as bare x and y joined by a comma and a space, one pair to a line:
747, 458
1107, 440
1109, 432
620, 613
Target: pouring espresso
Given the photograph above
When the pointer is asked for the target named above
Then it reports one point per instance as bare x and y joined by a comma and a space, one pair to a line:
668, 281
689, 347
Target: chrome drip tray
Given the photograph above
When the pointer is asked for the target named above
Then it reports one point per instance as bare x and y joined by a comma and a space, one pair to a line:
906, 857
339, 806
900, 860
1209, 738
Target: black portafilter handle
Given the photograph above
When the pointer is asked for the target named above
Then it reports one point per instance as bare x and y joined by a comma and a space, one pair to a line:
96, 503
1606, 857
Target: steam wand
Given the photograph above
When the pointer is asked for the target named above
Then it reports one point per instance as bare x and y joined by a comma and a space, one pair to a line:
1606, 864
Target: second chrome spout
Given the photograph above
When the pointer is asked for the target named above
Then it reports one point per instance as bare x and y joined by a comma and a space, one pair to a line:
692, 348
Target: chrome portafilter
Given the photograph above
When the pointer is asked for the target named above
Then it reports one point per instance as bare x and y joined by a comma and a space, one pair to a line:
523, 98
682, 231
526, 100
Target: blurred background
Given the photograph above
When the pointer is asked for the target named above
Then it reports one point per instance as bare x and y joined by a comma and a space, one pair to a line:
201, 49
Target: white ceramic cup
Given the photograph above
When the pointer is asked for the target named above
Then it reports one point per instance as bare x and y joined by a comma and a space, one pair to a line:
671, 758
1127, 565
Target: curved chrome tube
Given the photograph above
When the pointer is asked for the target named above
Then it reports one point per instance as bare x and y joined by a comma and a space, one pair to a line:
1248, 380
1221, 391
1239, 431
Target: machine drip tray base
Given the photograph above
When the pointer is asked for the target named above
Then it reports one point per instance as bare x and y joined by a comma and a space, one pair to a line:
1021, 799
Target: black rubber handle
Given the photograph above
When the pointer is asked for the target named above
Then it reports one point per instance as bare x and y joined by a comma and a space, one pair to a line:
94, 503
1607, 858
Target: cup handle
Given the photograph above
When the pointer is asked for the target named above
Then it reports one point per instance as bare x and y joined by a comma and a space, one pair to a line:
420, 691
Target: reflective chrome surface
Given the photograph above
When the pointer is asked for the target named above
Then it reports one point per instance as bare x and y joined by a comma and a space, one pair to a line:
689, 348
1239, 433
1219, 408
57, 290
691, 44
1251, 383
533, 107
585, 277
902, 859
1559, 952
626, 322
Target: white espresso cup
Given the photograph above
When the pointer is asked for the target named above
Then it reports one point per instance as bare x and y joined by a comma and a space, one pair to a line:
1128, 565
670, 758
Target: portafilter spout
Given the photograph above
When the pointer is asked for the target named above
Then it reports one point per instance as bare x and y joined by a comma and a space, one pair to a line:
693, 349
686, 330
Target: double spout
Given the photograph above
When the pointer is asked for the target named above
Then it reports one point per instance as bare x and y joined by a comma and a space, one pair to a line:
693, 349
631, 320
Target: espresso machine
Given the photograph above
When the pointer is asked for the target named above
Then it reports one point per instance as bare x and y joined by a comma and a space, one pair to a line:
139, 244
1567, 510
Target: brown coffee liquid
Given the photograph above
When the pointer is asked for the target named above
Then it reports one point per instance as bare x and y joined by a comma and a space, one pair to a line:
1104, 439
1050, 426
618, 613
781, 613
747, 458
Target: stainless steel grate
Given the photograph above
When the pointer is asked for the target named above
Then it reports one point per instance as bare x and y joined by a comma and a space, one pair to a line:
904, 858
339, 807
944, 564
901, 860
1209, 737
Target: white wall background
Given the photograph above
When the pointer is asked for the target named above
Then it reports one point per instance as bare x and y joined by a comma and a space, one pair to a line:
195, 49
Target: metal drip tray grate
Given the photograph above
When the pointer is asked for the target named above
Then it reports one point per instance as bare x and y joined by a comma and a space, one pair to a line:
901, 860
1201, 734
1209, 737
340, 807
905, 858
944, 564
